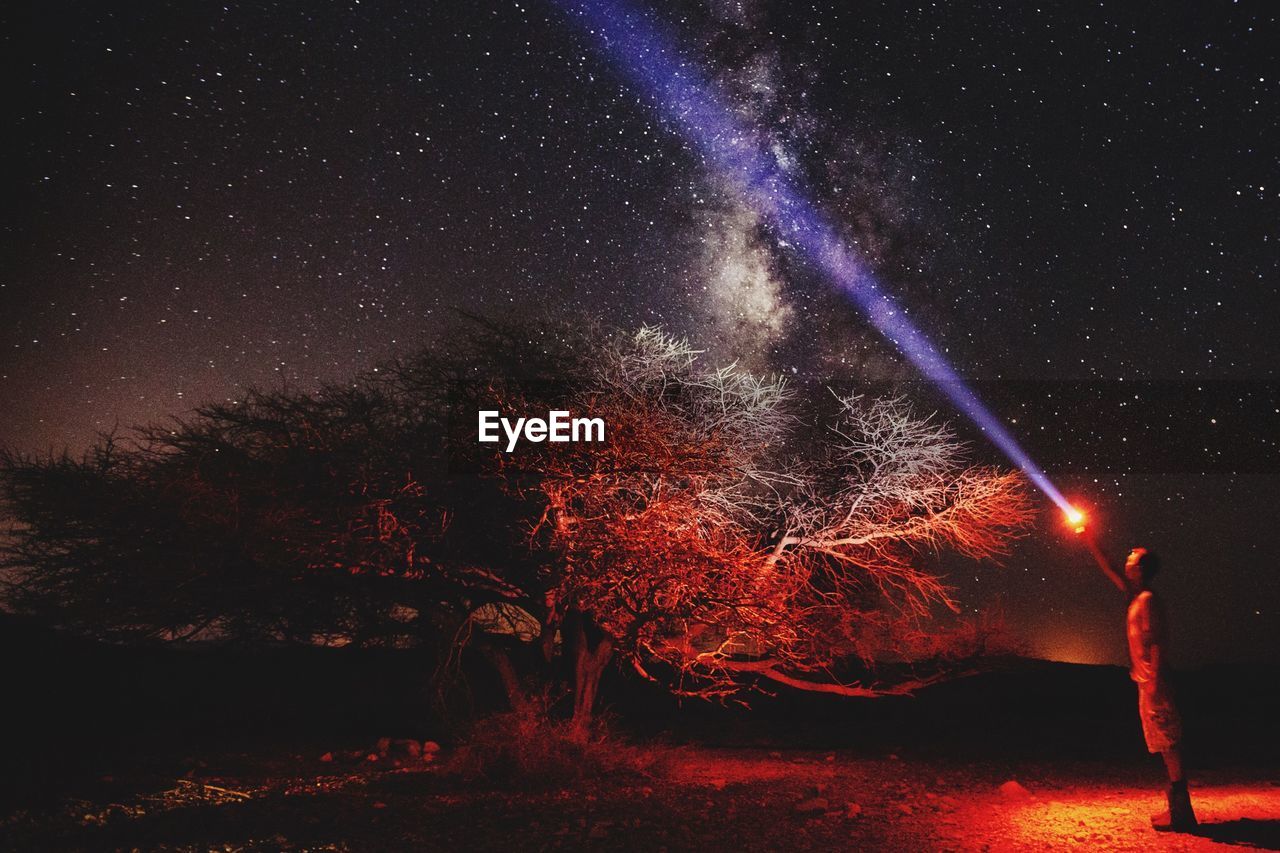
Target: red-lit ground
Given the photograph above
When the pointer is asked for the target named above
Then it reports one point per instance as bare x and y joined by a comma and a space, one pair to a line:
973, 808
679, 798
1109, 817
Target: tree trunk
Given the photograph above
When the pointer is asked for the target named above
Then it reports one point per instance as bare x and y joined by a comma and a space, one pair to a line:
517, 698
589, 661
550, 625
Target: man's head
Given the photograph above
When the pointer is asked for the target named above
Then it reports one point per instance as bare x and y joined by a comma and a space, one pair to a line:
1141, 567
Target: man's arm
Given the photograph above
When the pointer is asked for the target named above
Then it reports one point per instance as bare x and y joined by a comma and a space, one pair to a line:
1105, 564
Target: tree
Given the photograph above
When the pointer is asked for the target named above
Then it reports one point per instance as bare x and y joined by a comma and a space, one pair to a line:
355, 514
728, 531
717, 535
284, 517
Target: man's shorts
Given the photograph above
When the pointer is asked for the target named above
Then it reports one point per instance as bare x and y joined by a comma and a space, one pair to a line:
1161, 725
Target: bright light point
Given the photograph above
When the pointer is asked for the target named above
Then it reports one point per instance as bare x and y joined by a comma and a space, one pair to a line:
1075, 518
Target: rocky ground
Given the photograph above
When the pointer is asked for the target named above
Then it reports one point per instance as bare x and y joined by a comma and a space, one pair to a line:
672, 798
114, 748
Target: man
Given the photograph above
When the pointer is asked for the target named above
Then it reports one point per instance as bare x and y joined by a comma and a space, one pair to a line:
1148, 651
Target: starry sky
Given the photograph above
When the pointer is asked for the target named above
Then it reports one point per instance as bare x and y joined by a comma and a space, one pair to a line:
1079, 202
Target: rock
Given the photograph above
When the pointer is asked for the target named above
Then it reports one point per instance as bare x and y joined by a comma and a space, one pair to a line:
430, 746
1012, 790
852, 811
327, 757
813, 804
718, 784
398, 747
906, 808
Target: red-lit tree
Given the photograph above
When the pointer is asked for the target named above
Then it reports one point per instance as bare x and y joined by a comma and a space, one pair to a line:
727, 531
716, 536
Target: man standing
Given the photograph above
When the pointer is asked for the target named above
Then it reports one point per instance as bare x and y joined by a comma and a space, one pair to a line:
1148, 649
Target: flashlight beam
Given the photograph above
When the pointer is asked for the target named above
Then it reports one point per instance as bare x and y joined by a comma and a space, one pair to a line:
680, 90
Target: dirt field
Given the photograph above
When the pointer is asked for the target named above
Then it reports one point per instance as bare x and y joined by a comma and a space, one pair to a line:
688, 798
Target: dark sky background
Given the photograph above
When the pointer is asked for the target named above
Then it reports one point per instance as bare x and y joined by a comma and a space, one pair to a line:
1080, 202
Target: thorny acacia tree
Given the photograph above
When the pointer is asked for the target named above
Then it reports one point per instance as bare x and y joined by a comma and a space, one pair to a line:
726, 528
719, 532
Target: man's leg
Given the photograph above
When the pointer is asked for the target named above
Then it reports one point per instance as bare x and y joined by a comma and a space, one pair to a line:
1180, 817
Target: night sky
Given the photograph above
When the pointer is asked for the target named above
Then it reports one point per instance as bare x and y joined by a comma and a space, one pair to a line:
1079, 202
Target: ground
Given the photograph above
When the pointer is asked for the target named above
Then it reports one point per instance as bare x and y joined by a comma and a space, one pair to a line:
115, 748
684, 798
